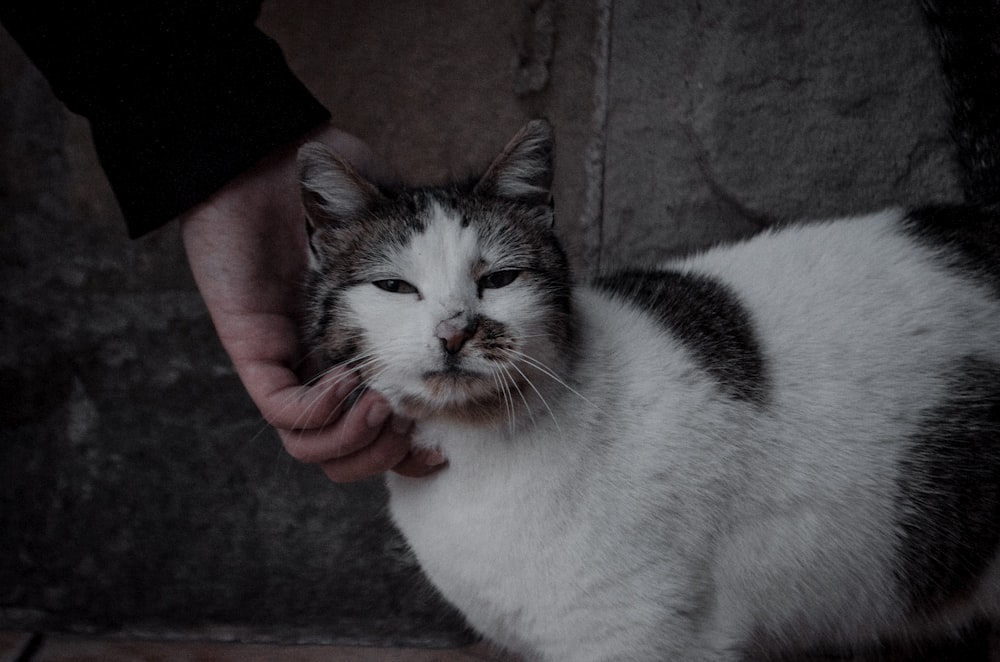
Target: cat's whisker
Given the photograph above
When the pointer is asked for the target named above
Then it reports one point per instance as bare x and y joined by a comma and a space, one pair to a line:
539, 394
514, 383
348, 366
514, 387
551, 374
319, 351
356, 364
511, 383
512, 411
311, 382
504, 391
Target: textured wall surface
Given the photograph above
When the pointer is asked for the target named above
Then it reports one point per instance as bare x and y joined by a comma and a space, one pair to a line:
139, 488
439, 88
725, 116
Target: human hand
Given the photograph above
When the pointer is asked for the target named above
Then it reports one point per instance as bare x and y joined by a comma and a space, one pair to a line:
246, 246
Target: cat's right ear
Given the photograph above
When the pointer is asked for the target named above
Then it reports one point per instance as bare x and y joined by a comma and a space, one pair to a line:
333, 192
523, 171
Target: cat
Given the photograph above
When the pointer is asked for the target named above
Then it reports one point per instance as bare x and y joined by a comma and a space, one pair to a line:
786, 443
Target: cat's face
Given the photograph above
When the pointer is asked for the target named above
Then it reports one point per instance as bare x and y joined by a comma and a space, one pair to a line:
451, 302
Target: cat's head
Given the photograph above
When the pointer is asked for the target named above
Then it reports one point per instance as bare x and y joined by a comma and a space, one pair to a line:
452, 301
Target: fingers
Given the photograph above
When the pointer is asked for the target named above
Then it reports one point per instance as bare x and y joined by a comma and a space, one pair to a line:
387, 450
288, 405
347, 433
420, 462
351, 433
365, 441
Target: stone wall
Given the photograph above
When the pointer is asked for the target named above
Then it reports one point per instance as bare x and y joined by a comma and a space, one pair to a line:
139, 489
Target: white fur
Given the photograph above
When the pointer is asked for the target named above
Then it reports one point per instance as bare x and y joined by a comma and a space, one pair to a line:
438, 265
640, 516
442, 264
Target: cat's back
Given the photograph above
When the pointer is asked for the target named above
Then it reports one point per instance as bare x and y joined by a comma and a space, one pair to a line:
873, 348
867, 289
821, 317
854, 331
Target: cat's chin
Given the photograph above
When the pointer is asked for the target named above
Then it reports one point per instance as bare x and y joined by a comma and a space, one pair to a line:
480, 412
461, 397
457, 384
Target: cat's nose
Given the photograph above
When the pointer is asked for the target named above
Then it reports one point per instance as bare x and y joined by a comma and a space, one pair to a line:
454, 334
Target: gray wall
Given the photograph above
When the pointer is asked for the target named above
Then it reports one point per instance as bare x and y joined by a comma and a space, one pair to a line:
139, 489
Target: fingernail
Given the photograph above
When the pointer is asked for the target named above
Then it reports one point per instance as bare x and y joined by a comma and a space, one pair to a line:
433, 458
377, 414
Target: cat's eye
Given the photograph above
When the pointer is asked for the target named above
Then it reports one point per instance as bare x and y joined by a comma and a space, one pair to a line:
498, 279
395, 286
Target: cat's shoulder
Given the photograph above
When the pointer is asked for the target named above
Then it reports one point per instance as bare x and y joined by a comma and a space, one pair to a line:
705, 315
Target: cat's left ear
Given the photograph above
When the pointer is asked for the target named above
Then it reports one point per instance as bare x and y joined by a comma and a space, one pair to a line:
523, 171
333, 192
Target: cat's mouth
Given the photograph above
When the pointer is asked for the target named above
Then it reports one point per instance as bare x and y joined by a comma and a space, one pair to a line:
460, 395
447, 381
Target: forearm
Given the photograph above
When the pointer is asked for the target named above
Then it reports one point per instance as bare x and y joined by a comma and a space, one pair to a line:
181, 97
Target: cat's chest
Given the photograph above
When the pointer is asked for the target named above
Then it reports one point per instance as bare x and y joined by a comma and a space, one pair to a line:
490, 539
527, 542
488, 497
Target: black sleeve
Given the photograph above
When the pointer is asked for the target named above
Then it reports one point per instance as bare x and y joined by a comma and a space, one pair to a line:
181, 95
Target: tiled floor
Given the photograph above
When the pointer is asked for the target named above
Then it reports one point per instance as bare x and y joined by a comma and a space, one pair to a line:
26, 647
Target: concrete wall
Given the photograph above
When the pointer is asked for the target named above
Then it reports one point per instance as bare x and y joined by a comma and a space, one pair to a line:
140, 490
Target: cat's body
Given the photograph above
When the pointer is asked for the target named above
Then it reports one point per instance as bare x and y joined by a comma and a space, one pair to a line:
653, 502
786, 443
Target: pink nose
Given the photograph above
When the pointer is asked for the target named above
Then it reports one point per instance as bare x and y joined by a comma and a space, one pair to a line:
454, 337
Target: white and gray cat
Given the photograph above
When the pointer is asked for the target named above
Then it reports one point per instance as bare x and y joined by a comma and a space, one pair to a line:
785, 443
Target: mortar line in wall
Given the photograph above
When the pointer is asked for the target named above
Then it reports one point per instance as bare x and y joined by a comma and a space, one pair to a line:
597, 149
